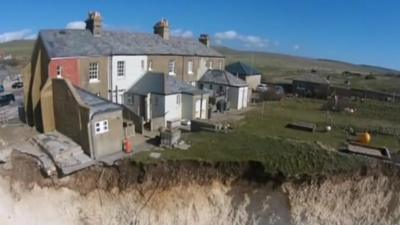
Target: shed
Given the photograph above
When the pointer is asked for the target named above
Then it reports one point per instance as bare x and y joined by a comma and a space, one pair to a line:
91, 121
311, 85
223, 84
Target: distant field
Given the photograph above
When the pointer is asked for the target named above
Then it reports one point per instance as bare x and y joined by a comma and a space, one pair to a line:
20, 49
263, 136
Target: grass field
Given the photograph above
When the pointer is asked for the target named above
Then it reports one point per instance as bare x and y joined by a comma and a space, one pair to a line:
263, 136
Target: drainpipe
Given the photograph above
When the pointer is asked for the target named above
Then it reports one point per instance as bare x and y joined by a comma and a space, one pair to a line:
91, 141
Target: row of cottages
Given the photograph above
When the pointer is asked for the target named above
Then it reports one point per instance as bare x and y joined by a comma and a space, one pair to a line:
109, 64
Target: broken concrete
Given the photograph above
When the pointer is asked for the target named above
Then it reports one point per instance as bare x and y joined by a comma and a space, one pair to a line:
66, 154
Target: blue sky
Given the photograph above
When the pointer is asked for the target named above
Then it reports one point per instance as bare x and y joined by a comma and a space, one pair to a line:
358, 31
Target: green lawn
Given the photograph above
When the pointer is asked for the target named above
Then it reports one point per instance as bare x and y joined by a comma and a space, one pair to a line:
263, 136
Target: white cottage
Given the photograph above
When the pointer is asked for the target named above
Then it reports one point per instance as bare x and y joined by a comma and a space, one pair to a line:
225, 87
159, 99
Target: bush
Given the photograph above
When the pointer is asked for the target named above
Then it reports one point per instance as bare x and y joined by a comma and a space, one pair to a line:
370, 77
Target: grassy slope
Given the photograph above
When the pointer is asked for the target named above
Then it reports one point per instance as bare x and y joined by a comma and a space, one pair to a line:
20, 49
272, 63
262, 136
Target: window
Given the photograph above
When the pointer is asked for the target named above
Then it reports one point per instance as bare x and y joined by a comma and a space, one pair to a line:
211, 86
93, 71
130, 99
101, 127
142, 64
150, 65
171, 67
190, 67
209, 64
178, 99
220, 65
121, 68
221, 88
59, 71
201, 86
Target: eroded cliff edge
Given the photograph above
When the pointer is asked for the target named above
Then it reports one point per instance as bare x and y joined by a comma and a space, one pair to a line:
190, 192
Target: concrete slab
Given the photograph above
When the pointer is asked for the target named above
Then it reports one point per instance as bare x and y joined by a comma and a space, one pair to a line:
66, 154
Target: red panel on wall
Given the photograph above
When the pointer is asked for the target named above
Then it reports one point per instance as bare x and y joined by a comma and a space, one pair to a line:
68, 69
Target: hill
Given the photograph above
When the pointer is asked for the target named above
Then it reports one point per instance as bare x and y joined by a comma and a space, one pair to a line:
20, 48
273, 64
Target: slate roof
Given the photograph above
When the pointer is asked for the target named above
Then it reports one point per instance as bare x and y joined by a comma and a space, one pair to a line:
314, 78
241, 69
223, 78
158, 83
97, 104
70, 42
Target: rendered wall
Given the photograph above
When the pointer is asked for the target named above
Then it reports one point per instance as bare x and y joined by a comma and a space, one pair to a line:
71, 117
133, 72
110, 142
173, 108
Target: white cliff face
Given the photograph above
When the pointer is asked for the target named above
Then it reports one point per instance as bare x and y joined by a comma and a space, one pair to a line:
193, 194
213, 204
368, 200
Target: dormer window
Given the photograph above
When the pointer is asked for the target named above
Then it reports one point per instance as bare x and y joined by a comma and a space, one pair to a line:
171, 68
59, 71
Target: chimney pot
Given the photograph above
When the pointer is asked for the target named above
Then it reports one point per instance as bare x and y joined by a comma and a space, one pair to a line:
205, 39
94, 23
162, 28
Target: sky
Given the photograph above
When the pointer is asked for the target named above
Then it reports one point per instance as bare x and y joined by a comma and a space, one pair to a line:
357, 31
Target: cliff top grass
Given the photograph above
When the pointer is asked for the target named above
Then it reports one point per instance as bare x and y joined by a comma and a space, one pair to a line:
262, 136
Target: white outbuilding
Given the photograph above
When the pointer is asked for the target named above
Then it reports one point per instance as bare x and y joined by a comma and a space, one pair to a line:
226, 87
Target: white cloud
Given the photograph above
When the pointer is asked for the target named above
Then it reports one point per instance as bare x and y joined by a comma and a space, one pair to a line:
182, 33
227, 35
80, 25
249, 41
24, 34
296, 47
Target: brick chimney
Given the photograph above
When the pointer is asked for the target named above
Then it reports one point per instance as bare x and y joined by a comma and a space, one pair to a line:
94, 23
162, 28
205, 39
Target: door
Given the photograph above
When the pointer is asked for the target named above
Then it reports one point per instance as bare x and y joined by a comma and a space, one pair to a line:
198, 109
245, 96
240, 98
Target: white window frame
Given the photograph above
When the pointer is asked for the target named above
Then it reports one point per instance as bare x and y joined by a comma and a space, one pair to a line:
190, 67
121, 68
178, 99
171, 67
210, 64
94, 72
101, 127
150, 65
59, 71
220, 65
